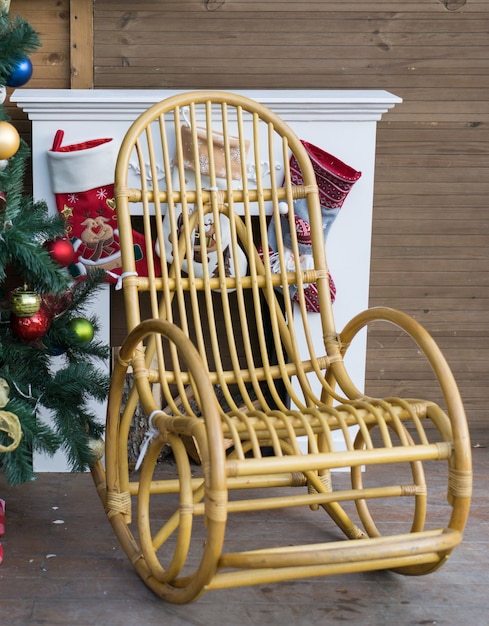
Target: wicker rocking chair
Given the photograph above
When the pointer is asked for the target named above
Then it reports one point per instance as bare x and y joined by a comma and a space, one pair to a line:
217, 334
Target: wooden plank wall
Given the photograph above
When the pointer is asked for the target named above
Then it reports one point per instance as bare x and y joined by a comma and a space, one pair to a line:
51, 19
430, 231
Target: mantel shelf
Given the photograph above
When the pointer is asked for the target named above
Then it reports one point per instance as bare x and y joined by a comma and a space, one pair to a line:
116, 104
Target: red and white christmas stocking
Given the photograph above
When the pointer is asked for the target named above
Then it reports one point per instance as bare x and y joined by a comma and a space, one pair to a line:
82, 179
335, 180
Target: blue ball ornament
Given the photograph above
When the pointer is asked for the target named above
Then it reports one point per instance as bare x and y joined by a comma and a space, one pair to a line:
57, 350
21, 74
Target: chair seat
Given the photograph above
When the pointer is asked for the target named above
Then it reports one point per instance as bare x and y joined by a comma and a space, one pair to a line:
323, 419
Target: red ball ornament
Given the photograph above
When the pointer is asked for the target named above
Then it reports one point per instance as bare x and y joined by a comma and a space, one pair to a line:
61, 251
31, 328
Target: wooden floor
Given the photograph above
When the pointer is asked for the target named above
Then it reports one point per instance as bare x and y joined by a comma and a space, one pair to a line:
63, 566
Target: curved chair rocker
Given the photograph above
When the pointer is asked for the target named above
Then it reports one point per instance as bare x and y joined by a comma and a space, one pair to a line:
217, 333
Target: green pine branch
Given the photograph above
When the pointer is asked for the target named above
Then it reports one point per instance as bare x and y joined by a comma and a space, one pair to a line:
22, 237
24, 225
17, 39
36, 437
68, 396
56, 375
64, 393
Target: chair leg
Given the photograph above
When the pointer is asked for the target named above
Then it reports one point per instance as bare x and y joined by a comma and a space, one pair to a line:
334, 509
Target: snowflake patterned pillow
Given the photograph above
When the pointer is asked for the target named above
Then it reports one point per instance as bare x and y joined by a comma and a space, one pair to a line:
203, 254
217, 152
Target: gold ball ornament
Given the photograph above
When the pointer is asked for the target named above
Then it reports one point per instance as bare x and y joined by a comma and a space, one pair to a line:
9, 422
9, 140
97, 448
24, 302
4, 392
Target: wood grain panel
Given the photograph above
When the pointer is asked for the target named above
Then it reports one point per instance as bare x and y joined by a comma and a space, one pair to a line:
50, 19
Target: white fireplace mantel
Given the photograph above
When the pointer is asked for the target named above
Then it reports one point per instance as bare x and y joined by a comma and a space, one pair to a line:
117, 104
339, 121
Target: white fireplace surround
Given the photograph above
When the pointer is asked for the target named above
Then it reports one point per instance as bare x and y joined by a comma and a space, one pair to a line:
341, 122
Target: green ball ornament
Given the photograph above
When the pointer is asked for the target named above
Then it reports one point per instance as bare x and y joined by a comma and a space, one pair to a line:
82, 328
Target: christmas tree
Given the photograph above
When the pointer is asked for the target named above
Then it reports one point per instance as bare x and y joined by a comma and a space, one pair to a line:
49, 353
